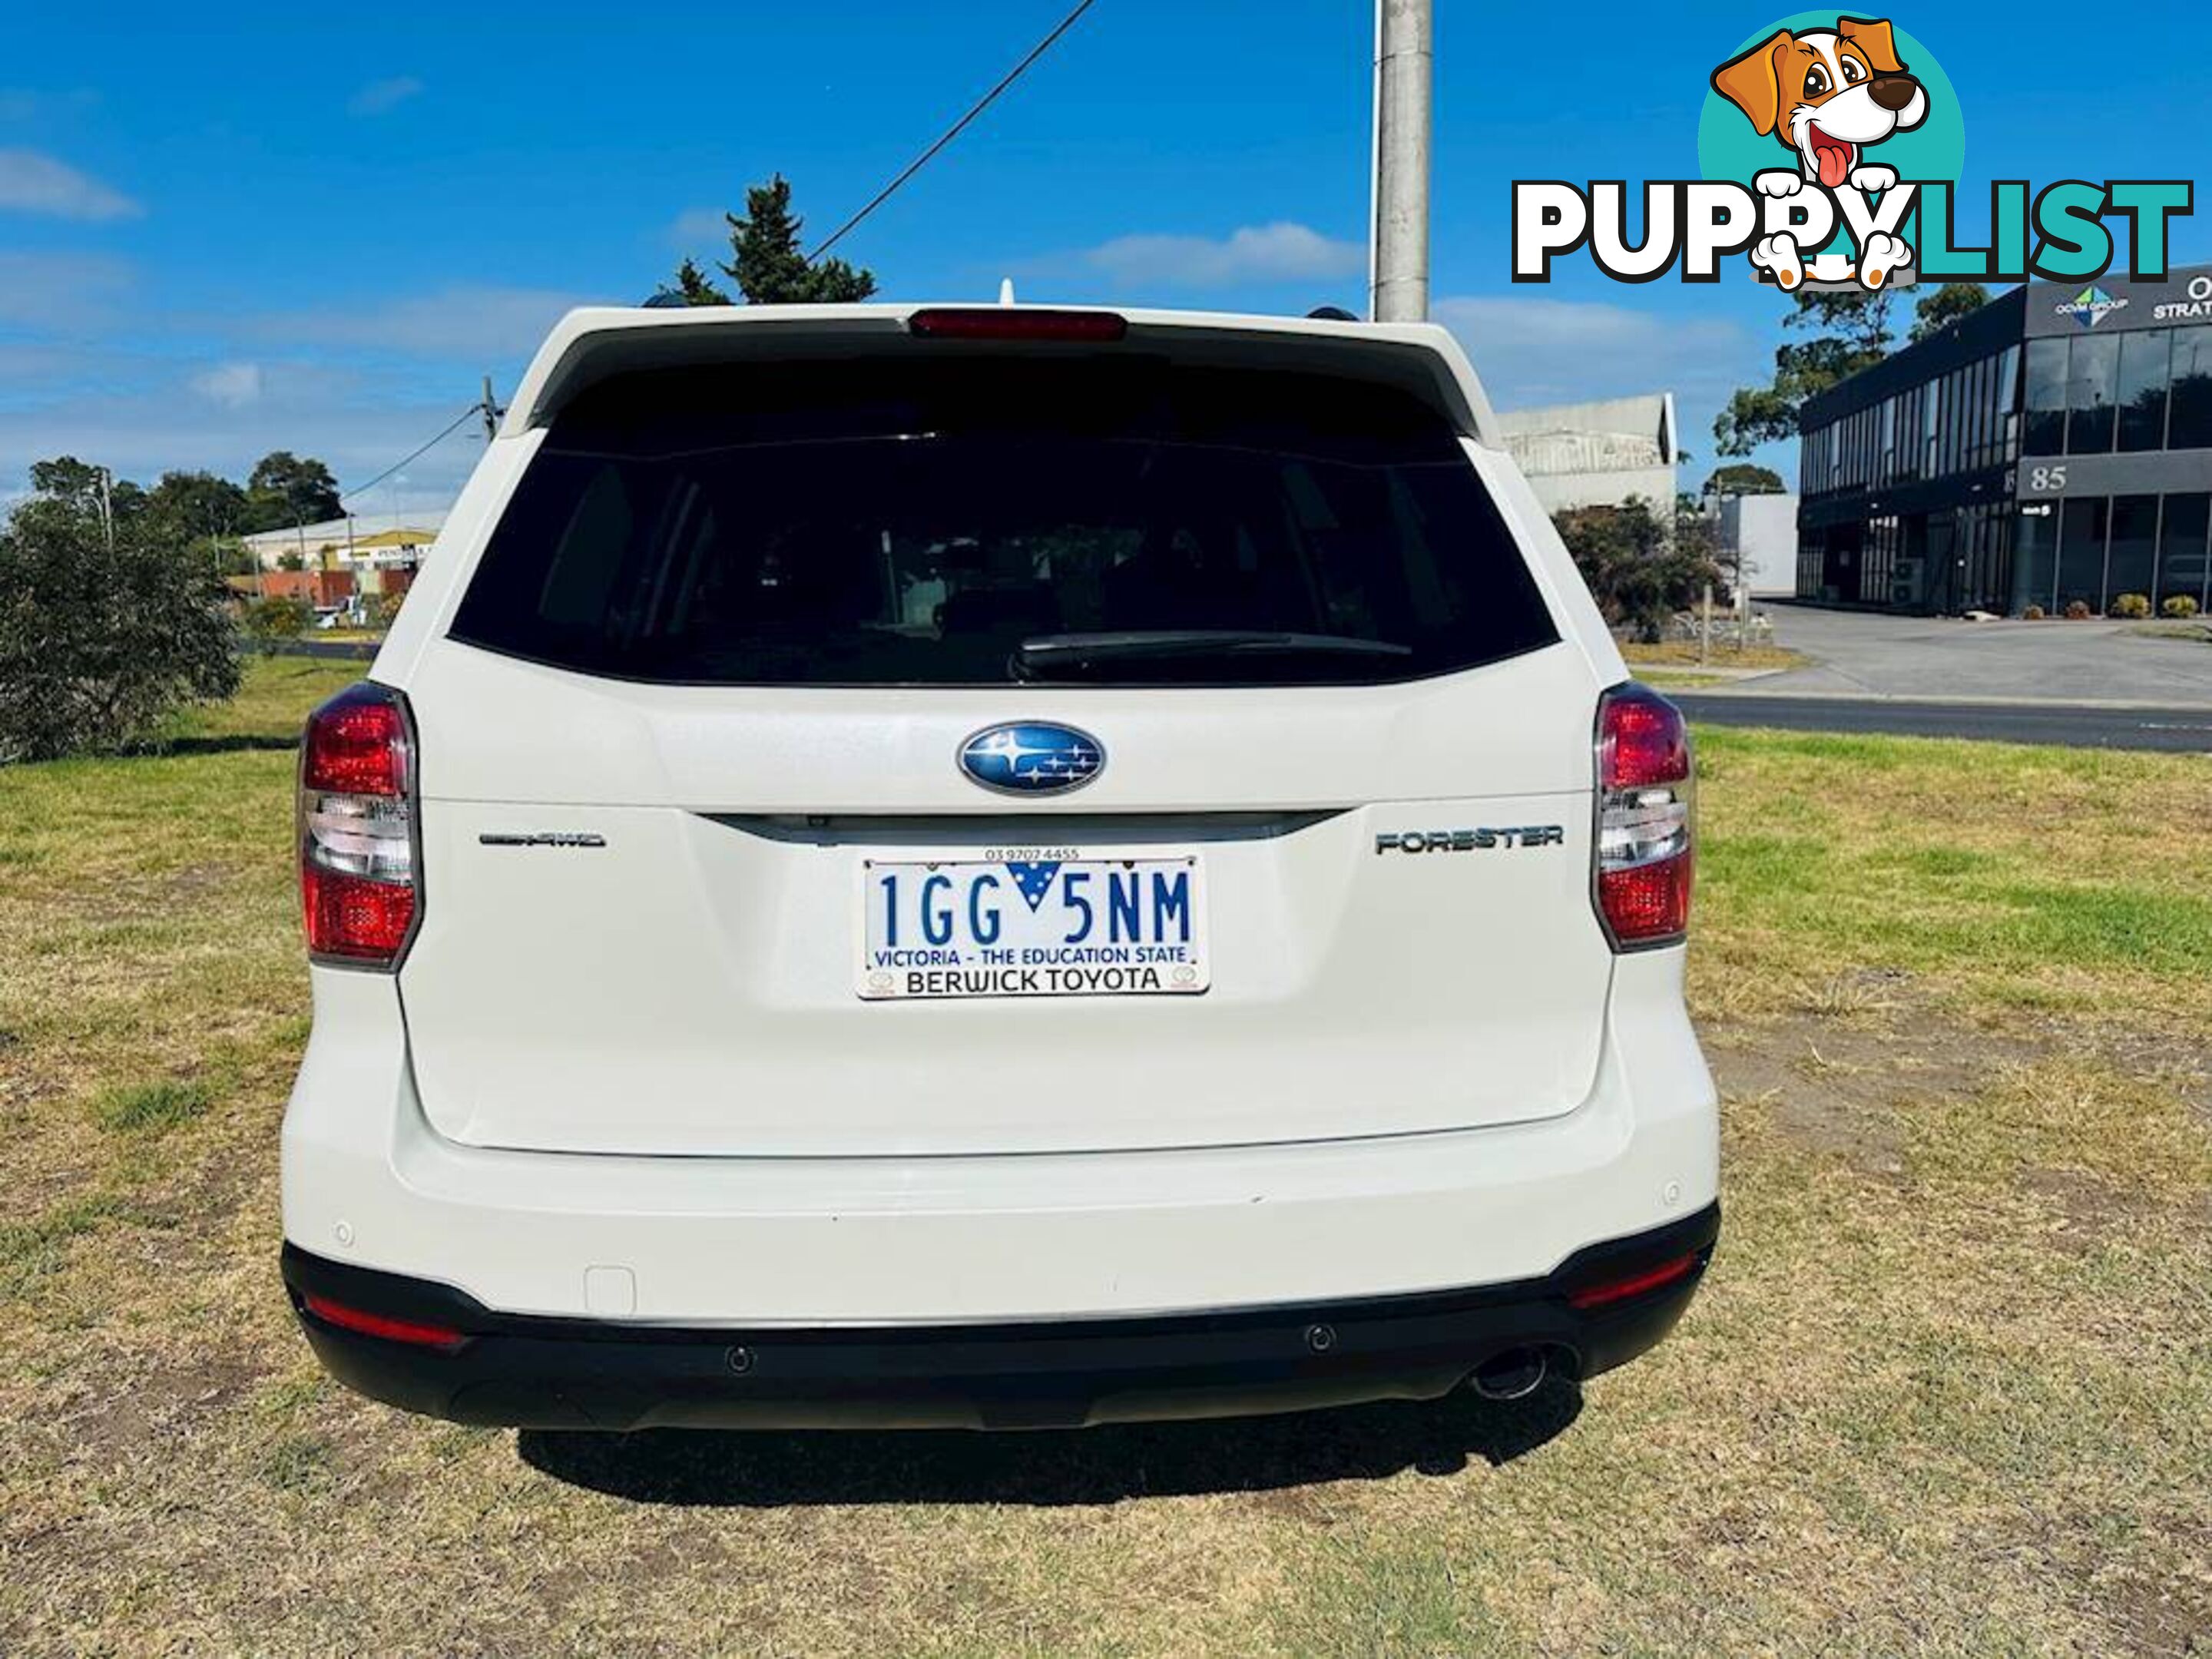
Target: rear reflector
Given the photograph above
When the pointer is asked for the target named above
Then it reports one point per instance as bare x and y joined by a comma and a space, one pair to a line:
1017, 323
358, 892
381, 1325
1620, 1290
1645, 865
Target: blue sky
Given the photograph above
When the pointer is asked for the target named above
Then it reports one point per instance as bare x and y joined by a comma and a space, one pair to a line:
231, 228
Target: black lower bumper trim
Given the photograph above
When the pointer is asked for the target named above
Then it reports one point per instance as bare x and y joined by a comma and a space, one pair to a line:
530, 1371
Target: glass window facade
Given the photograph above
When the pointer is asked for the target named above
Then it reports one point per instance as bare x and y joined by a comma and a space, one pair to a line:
2131, 556
2093, 548
1950, 538
2044, 432
2089, 394
2035, 558
2143, 361
2183, 561
2189, 416
2082, 522
2093, 370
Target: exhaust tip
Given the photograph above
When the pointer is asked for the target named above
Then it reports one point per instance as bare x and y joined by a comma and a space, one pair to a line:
1514, 1375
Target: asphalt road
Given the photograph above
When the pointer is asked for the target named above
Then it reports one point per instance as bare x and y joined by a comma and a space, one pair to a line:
2183, 729
1939, 658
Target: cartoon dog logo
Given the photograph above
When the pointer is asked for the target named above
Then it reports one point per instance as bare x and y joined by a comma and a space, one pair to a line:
1826, 95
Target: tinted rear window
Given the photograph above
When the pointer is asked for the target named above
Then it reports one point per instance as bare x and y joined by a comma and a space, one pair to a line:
904, 522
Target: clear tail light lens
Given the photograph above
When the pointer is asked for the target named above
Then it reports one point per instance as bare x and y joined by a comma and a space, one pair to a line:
357, 829
1646, 800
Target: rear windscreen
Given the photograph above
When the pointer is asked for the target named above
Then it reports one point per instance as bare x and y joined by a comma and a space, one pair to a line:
976, 520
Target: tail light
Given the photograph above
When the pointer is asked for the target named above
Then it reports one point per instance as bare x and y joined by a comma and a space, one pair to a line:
1644, 859
383, 1325
1608, 1292
357, 829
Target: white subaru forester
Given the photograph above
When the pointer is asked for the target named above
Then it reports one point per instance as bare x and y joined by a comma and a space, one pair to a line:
993, 866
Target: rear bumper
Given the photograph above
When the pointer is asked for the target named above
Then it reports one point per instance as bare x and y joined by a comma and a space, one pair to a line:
932, 1242
538, 1372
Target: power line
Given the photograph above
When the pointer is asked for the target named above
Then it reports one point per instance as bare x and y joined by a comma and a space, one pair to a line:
954, 131
469, 413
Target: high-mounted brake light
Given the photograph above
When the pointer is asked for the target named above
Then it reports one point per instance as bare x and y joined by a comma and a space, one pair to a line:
358, 891
1017, 323
1645, 863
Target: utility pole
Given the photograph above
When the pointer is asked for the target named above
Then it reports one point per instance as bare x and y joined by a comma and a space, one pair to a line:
1405, 54
491, 411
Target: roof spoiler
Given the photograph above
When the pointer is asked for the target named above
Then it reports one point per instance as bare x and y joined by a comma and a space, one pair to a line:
595, 343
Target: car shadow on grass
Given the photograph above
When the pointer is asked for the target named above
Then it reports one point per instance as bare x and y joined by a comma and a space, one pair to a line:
1046, 1468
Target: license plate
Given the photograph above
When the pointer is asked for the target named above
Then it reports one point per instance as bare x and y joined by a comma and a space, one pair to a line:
1004, 926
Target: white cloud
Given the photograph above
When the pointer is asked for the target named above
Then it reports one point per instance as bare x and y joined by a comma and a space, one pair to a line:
378, 96
1529, 350
477, 323
58, 290
1280, 253
31, 182
231, 384
696, 226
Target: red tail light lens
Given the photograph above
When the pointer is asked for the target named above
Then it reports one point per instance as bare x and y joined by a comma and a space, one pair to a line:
1017, 323
1620, 1290
382, 1325
1645, 860
356, 819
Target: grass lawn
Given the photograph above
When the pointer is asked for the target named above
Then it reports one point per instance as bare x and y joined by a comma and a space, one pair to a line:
1683, 653
1948, 1387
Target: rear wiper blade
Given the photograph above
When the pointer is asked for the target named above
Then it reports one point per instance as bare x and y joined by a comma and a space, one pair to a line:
1048, 651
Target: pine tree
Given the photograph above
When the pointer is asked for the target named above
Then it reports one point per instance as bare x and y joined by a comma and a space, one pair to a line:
769, 267
767, 263
692, 285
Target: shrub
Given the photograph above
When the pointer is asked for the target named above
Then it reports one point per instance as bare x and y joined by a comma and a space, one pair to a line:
2033, 613
2079, 610
110, 621
1640, 570
382, 610
2131, 605
2178, 605
271, 622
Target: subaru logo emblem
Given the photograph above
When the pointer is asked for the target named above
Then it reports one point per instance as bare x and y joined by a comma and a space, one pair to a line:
1031, 757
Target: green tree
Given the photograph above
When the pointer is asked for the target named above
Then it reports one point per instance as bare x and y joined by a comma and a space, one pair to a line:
1641, 568
1942, 306
1844, 331
696, 288
92, 488
203, 506
1742, 478
767, 263
108, 621
204, 511
285, 489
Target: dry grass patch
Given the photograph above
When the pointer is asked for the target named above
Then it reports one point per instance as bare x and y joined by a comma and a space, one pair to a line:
1683, 653
1949, 1388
